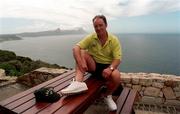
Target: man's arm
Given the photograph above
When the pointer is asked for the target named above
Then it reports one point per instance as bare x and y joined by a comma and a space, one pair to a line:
77, 53
107, 72
115, 63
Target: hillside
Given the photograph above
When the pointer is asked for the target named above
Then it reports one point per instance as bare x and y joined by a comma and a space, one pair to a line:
17, 65
9, 37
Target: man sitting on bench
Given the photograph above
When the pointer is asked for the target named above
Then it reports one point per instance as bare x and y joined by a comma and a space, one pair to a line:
98, 53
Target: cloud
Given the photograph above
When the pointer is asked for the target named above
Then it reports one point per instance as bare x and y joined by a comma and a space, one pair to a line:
76, 13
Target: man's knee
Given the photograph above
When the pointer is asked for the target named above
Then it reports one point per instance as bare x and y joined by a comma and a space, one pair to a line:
116, 75
89, 60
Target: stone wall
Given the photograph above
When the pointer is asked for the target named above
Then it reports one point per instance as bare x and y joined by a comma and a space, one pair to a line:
39, 76
154, 88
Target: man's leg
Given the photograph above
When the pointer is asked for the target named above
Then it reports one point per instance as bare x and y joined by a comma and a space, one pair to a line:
78, 85
112, 85
88, 61
114, 81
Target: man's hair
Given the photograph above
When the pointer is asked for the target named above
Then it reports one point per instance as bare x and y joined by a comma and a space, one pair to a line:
102, 17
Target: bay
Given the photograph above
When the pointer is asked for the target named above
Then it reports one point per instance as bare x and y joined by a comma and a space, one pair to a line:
157, 53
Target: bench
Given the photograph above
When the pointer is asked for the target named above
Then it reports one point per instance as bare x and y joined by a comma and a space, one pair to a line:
25, 103
125, 101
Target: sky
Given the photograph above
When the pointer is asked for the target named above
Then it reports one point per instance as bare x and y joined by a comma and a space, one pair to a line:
123, 16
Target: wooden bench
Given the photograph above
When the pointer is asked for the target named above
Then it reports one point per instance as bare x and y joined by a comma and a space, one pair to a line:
25, 103
125, 101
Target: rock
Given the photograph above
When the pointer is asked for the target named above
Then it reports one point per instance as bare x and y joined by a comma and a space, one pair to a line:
2, 73
6, 80
51, 70
39, 76
126, 78
161, 94
152, 91
177, 94
168, 93
177, 88
145, 81
172, 102
137, 87
158, 85
135, 80
169, 83
152, 100
129, 85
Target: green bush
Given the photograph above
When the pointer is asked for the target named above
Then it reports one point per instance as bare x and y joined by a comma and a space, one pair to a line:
9, 69
18, 65
23, 59
7, 55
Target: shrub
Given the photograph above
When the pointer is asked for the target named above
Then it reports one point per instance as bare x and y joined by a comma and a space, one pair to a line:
7, 55
18, 65
9, 69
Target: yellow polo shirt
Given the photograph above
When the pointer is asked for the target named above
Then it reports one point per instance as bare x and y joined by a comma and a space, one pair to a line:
102, 54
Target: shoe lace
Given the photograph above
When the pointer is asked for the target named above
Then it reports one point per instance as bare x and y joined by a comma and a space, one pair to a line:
72, 83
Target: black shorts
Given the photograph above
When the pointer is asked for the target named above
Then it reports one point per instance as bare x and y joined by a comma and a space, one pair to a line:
99, 69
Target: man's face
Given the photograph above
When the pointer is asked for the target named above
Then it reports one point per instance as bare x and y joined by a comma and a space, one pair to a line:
99, 26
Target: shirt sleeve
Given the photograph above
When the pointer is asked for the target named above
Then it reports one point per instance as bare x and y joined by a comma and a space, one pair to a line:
84, 43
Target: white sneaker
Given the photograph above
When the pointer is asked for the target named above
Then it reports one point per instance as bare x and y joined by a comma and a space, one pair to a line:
111, 104
74, 88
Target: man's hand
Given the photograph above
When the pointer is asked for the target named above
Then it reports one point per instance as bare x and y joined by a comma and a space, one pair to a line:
83, 67
106, 73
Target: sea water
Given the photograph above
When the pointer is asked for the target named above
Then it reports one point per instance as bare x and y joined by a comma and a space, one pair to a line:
158, 53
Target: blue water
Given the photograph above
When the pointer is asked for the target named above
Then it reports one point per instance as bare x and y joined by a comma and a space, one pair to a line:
158, 53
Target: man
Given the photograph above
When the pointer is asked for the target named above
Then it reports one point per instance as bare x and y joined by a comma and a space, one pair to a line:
100, 54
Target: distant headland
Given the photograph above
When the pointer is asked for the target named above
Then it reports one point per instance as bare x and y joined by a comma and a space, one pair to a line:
58, 31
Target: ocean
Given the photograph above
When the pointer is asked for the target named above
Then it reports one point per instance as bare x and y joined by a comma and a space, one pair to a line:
150, 53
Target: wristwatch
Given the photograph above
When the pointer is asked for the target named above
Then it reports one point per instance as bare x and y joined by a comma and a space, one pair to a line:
111, 67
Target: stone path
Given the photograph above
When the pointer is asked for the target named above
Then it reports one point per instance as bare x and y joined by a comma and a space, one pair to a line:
10, 90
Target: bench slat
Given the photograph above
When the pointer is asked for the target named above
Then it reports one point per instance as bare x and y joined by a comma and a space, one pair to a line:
121, 100
127, 108
125, 101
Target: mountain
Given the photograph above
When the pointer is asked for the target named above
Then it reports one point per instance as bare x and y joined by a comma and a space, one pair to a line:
57, 31
8, 37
